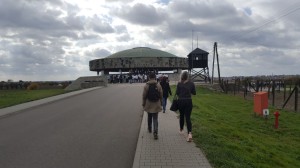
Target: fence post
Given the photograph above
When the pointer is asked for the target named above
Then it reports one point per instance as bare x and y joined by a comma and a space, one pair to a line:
239, 82
245, 89
269, 86
296, 98
226, 86
273, 93
284, 90
287, 100
234, 86
257, 86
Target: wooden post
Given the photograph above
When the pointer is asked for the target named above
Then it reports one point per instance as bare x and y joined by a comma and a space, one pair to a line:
245, 89
234, 86
257, 86
284, 90
296, 98
269, 86
213, 65
287, 100
239, 85
273, 93
217, 55
226, 86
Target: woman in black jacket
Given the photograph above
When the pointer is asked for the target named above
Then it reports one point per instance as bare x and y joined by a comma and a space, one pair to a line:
166, 91
185, 88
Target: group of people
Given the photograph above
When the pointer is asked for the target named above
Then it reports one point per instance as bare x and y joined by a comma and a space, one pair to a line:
184, 90
132, 78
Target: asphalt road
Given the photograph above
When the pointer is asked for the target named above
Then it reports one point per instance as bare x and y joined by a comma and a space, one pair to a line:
91, 130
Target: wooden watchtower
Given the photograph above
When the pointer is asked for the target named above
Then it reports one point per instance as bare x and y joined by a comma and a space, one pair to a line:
198, 65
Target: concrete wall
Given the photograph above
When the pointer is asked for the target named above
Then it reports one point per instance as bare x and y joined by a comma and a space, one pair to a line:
87, 82
133, 63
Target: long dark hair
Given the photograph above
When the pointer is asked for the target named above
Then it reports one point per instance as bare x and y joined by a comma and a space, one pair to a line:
164, 79
184, 76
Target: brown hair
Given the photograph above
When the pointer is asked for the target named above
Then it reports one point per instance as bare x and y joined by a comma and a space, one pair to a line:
184, 76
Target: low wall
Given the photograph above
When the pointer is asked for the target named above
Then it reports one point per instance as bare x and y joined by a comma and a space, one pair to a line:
87, 82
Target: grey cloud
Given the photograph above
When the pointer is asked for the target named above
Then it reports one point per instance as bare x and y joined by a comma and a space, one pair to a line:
142, 14
202, 9
219, 20
121, 29
124, 37
98, 53
100, 25
180, 28
101, 53
25, 14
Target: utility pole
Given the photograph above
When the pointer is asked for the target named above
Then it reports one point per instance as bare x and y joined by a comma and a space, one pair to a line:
216, 55
213, 65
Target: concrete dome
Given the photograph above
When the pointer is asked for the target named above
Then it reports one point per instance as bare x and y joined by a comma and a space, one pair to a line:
141, 52
139, 58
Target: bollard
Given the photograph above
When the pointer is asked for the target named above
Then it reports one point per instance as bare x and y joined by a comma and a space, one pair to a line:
276, 114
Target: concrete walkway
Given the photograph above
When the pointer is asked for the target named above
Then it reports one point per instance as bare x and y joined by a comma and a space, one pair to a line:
16, 108
170, 150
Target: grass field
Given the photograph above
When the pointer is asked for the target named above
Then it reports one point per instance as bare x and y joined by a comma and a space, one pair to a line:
228, 132
13, 97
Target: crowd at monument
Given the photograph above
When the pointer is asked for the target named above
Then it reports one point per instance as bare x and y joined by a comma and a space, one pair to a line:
132, 78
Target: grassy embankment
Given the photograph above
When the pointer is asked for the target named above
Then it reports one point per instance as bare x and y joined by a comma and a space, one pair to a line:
13, 97
230, 135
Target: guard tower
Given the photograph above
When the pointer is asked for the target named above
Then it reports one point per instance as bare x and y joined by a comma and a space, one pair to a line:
198, 65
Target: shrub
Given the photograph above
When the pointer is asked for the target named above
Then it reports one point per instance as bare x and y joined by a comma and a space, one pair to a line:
33, 86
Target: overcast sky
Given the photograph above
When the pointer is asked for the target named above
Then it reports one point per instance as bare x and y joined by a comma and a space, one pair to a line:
56, 39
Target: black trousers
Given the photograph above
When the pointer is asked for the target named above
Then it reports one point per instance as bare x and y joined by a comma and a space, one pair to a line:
185, 110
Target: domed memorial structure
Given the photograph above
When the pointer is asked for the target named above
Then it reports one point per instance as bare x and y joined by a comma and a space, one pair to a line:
139, 59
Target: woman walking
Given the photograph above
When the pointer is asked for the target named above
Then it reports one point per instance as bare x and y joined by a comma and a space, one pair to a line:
185, 89
166, 91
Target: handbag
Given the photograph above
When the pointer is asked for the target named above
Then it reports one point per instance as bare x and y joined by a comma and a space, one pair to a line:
174, 105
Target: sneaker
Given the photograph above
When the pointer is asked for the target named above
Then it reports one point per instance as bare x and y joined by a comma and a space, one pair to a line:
155, 135
189, 138
149, 130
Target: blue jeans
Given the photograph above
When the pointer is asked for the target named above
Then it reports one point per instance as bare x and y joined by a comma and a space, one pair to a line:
164, 103
153, 116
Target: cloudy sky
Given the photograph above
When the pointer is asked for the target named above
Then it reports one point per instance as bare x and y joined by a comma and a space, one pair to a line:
56, 39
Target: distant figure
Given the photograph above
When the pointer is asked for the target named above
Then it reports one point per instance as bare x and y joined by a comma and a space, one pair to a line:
166, 91
184, 90
152, 98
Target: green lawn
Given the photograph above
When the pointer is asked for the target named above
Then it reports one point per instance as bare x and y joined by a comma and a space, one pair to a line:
228, 132
13, 97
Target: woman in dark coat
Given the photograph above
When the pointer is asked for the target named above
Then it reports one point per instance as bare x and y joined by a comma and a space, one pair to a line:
185, 88
166, 91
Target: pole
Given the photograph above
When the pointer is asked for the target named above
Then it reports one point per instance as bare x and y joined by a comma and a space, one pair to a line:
218, 63
296, 98
213, 65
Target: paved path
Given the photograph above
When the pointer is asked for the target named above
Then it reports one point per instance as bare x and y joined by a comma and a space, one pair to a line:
170, 150
89, 130
19, 107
